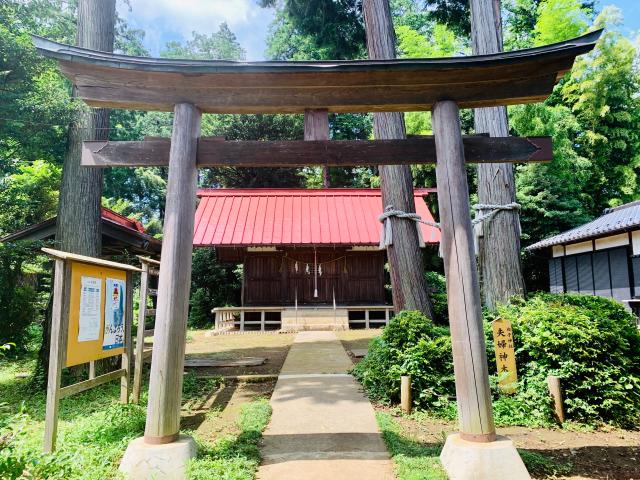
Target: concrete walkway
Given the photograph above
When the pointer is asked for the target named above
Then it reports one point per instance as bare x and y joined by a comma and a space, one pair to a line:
322, 426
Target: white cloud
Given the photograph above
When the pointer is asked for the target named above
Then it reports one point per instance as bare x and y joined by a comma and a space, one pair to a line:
164, 20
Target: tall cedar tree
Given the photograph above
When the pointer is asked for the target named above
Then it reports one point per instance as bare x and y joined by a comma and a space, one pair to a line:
79, 226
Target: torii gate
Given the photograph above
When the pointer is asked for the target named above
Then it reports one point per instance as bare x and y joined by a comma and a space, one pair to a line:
443, 85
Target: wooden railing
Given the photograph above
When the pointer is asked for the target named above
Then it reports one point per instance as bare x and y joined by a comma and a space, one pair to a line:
368, 321
150, 268
227, 317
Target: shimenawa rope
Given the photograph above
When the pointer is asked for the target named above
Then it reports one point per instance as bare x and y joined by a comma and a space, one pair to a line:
386, 236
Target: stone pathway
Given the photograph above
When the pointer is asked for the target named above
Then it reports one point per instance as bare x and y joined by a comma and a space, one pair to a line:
322, 426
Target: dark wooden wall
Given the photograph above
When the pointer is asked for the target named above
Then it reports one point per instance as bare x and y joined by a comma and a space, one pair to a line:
270, 278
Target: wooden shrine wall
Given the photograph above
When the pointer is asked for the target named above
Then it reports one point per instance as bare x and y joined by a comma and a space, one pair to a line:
271, 278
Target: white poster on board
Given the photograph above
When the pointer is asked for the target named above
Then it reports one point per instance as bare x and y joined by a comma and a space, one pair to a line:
89, 319
114, 305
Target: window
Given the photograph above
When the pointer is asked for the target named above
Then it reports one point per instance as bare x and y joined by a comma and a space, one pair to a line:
604, 273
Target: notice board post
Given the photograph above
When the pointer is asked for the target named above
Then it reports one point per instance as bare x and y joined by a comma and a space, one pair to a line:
91, 320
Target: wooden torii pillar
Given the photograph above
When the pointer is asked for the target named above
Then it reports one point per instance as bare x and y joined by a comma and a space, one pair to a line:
165, 387
463, 289
462, 457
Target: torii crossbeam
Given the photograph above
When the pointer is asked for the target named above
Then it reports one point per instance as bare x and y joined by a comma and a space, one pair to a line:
189, 87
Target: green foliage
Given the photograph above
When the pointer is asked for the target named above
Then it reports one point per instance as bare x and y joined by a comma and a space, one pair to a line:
253, 127
442, 42
334, 27
235, 457
591, 343
410, 345
212, 285
199, 308
89, 450
553, 195
28, 196
286, 42
559, 20
220, 45
35, 102
18, 299
438, 295
603, 94
413, 460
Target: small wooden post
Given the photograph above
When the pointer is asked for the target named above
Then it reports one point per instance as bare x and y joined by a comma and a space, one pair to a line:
92, 369
142, 314
366, 318
386, 316
262, 319
316, 127
57, 353
165, 386
463, 289
405, 394
125, 381
556, 393
242, 320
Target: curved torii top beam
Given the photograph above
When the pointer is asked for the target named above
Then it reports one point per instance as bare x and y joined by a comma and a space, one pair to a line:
120, 81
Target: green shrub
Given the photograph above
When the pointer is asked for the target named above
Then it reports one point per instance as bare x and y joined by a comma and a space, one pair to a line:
17, 301
410, 345
438, 295
213, 284
199, 304
591, 343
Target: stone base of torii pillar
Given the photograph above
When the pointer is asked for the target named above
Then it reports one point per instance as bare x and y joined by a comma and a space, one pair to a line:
167, 461
497, 460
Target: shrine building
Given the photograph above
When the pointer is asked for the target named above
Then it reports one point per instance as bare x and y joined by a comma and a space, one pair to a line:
601, 257
311, 258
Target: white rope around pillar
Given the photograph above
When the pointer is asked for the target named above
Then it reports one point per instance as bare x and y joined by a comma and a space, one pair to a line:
386, 236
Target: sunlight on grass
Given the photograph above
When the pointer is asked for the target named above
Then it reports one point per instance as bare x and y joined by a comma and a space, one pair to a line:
234, 457
413, 460
95, 429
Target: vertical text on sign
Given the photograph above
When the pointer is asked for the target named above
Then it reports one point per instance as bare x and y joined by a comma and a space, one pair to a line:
505, 355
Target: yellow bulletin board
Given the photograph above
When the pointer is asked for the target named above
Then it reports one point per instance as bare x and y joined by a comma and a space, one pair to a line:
79, 352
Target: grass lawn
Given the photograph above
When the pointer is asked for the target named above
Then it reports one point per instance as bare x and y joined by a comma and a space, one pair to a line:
94, 429
413, 459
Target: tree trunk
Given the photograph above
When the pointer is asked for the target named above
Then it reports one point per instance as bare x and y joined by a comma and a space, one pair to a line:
316, 127
409, 287
79, 224
499, 239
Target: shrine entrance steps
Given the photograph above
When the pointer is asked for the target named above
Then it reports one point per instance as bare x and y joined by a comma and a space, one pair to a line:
315, 318
322, 426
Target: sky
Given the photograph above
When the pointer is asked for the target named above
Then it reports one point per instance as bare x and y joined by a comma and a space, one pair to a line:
166, 20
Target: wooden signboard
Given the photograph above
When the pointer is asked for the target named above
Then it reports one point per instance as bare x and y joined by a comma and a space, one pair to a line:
505, 355
91, 319
96, 313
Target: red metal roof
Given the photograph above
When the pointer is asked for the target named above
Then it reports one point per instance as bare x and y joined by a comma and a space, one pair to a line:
262, 216
130, 223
